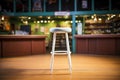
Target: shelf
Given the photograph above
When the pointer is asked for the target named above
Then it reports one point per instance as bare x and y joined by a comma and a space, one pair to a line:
97, 28
115, 23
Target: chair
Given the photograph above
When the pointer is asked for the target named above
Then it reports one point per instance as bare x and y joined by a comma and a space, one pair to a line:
61, 52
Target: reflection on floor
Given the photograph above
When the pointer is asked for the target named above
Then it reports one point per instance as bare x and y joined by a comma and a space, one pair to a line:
37, 67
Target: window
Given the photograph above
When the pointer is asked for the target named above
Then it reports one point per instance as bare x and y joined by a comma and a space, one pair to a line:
115, 4
52, 5
37, 5
101, 5
21, 5
83, 5
67, 5
6, 6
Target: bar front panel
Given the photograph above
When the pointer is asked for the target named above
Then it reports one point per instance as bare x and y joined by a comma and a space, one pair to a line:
98, 44
16, 45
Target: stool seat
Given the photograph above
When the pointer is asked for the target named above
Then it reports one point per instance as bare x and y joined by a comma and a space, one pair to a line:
58, 29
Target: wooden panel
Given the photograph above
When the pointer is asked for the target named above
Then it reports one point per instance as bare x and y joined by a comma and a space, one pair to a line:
0, 49
105, 46
19, 45
92, 46
16, 47
38, 46
82, 46
118, 46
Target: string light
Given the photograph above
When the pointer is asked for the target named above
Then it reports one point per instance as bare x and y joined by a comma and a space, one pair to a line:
29, 17
25, 22
45, 21
53, 21
49, 17
95, 19
34, 21
48, 21
38, 21
41, 21
99, 19
92, 17
2, 18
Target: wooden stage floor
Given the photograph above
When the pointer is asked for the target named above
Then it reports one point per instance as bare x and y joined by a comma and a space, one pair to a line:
37, 67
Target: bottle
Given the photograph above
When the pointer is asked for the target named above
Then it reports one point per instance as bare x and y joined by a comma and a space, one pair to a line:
79, 28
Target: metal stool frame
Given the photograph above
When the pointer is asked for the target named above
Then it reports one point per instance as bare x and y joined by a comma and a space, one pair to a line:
53, 52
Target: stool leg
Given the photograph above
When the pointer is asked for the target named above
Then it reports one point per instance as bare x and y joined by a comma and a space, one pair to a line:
52, 53
52, 63
70, 63
67, 43
68, 52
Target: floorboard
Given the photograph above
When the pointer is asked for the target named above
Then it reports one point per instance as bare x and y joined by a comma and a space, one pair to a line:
37, 67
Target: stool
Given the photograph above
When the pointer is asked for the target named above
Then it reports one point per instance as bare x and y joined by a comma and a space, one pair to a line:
53, 52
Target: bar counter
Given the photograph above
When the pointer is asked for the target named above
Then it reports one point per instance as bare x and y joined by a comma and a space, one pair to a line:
103, 44
21, 45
